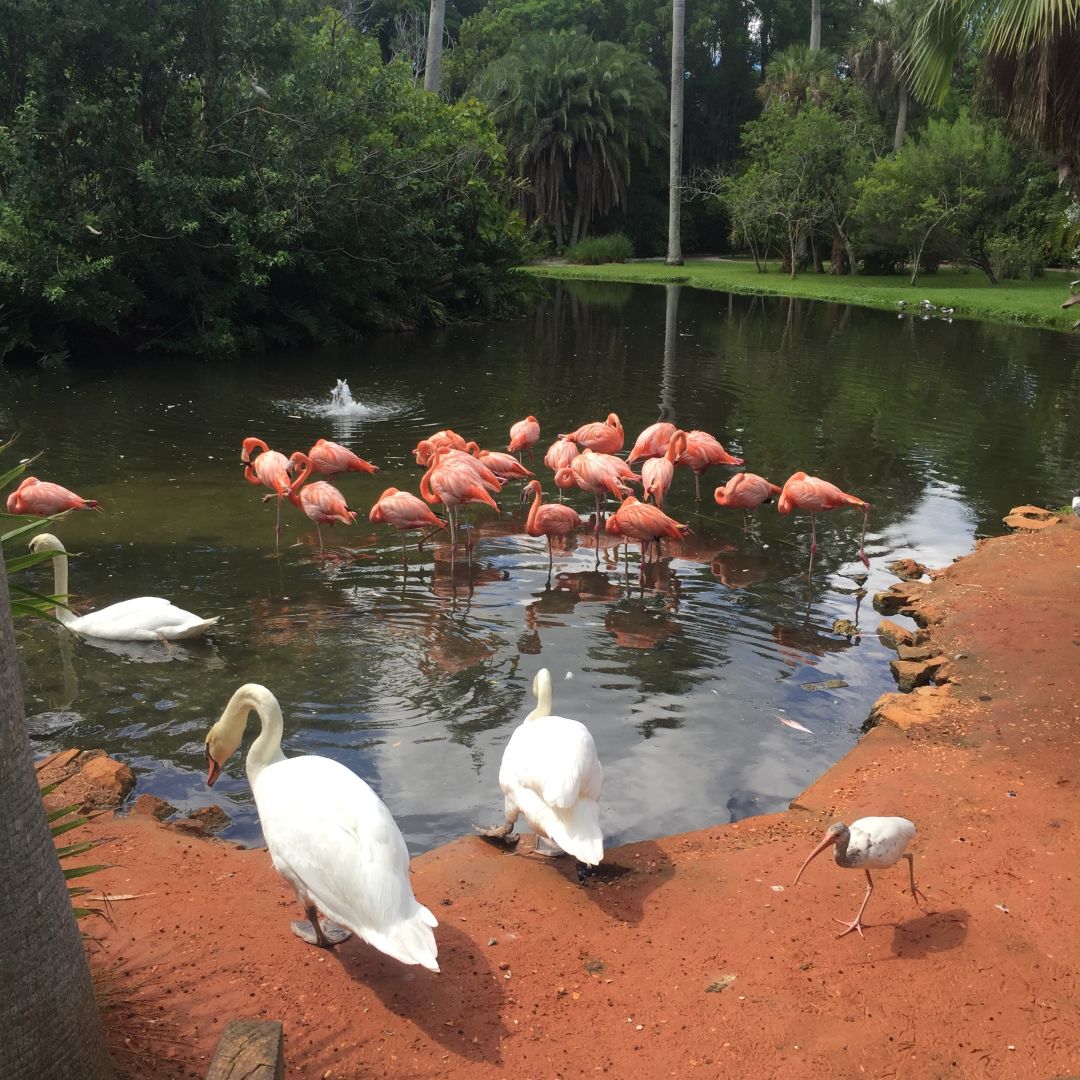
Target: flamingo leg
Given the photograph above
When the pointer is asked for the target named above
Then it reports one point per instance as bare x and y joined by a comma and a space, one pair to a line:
551, 557
318, 530
697, 486
277, 527
598, 517
916, 892
813, 543
857, 924
404, 553
862, 539
745, 524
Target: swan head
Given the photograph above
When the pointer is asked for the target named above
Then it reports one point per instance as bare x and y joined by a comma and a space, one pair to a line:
46, 542
224, 738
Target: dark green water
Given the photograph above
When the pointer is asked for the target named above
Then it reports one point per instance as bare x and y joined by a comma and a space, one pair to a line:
416, 682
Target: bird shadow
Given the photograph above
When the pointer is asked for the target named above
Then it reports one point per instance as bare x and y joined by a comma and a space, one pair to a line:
460, 1008
622, 884
938, 931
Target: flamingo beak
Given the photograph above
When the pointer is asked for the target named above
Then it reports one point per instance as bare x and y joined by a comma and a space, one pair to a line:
213, 769
830, 839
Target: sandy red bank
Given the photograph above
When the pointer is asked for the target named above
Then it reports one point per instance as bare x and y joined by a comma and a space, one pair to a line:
693, 954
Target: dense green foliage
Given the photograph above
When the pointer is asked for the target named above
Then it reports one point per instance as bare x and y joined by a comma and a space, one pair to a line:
214, 175
613, 248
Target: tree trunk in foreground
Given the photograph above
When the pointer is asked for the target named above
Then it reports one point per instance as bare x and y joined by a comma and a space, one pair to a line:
678, 65
48, 1016
815, 24
433, 61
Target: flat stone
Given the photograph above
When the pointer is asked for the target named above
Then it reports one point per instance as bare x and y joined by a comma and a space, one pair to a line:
1031, 518
212, 818
151, 806
907, 569
915, 652
254, 1049
905, 711
912, 673
901, 599
106, 783
894, 635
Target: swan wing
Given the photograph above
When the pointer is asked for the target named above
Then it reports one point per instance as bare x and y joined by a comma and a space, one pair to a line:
334, 840
145, 618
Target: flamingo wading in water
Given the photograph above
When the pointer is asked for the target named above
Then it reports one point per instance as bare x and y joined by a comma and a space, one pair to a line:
524, 435
871, 843
331, 459
802, 492
747, 491
702, 451
405, 512
658, 472
605, 437
652, 442
41, 498
454, 481
320, 501
645, 523
550, 519
270, 469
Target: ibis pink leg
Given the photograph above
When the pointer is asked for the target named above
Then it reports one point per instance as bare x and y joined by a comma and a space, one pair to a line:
916, 893
857, 924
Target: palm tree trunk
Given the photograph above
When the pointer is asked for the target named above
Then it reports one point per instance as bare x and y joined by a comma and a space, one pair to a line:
901, 120
433, 61
48, 1014
671, 338
678, 65
815, 24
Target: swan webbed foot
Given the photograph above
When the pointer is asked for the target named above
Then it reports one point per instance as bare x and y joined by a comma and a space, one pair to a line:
321, 932
550, 850
584, 872
504, 832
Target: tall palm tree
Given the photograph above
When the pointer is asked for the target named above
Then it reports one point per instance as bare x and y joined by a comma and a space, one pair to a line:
433, 60
675, 141
796, 75
877, 56
47, 1010
569, 112
815, 24
1030, 55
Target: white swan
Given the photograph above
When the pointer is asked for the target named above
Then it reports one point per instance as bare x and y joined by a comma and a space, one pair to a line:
551, 774
146, 618
329, 836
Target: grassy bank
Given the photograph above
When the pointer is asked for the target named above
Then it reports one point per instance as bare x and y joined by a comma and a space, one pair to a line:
1033, 303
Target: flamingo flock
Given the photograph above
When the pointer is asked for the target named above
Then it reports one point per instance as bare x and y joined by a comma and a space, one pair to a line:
459, 473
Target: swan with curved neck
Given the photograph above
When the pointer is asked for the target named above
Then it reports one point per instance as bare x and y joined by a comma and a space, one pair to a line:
329, 836
146, 618
551, 774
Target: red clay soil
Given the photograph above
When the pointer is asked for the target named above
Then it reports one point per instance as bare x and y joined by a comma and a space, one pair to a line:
694, 955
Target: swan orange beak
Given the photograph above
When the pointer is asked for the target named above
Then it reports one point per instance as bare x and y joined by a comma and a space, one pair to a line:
830, 839
213, 769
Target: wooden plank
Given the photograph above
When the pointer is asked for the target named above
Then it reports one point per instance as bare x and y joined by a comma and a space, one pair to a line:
249, 1050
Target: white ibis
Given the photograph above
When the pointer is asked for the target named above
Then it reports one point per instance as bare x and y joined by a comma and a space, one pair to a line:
876, 842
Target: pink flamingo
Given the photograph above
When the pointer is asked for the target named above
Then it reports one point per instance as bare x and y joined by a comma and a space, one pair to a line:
657, 472
598, 474
802, 492
524, 435
550, 519
453, 483
747, 491
405, 512
702, 450
645, 523
604, 438
425, 448
502, 465
560, 454
652, 442
41, 498
322, 502
270, 469
331, 459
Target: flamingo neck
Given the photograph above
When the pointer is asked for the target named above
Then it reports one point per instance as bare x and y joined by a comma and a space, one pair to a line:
542, 689
301, 480
534, 510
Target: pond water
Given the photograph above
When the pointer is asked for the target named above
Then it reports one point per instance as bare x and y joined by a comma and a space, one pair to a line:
416, 680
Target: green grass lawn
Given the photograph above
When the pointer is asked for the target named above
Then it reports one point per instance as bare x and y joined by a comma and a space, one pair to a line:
1034, 303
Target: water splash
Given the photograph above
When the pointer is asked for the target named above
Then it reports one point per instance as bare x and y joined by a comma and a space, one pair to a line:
342, 402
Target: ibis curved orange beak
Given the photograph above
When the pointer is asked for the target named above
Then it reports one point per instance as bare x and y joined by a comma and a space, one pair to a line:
830, 839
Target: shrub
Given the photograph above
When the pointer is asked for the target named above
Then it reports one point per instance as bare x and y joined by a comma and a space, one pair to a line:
615, 247
1013, 257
